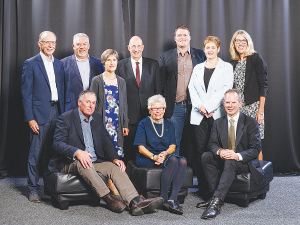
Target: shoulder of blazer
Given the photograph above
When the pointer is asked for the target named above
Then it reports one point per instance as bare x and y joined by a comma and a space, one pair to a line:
149, 60
68, 59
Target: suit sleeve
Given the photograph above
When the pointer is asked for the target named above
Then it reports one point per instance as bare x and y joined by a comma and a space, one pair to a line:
67, 86
162, 73
158, 86
261, 75
216, 100
214, 141
26, 89
60, 138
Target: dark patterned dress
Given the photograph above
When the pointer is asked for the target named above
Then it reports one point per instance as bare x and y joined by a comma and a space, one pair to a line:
112, 114
239, 83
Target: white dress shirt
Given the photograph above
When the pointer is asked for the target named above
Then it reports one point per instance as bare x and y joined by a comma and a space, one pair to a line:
51, 76
84, 70
236, 119
133, 63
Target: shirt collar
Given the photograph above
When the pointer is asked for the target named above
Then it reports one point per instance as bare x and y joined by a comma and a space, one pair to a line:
134, 62
44, 58
235, 118
188, 51
78, 60
82, 118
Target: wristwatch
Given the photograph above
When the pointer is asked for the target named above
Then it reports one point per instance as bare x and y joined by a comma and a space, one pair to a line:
152, 157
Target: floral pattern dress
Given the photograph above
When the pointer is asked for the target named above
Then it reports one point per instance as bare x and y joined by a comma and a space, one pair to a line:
112, 114
239, 83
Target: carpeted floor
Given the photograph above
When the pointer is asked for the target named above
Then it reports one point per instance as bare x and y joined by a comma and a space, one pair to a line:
281, 206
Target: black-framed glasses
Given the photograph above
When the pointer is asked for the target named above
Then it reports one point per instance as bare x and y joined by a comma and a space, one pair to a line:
48, 42
238, 41
158, 109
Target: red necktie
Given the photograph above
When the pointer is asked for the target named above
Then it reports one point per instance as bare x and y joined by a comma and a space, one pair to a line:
137, 76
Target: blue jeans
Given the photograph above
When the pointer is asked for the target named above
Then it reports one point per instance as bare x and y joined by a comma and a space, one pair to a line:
178, 120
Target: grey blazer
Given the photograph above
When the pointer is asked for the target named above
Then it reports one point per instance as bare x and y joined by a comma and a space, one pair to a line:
97, 86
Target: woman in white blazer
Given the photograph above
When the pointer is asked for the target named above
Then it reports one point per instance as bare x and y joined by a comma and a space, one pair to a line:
208, 83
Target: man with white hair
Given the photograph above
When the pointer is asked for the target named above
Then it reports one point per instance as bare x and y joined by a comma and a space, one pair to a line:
80, 68
43, 101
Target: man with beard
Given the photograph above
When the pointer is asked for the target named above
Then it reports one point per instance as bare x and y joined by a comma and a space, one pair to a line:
80, 68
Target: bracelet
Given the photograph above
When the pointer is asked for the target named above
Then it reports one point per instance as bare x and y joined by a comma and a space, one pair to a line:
261, 113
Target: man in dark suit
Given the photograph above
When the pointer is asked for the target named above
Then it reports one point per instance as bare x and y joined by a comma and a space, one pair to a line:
80, 68
176, 66
83, 147
234, 147
43, 101
142, 81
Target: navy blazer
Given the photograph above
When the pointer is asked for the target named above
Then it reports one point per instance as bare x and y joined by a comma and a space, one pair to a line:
168, 65
36, 92
73, 81
137, 96
248, 142
68, 138
256, 80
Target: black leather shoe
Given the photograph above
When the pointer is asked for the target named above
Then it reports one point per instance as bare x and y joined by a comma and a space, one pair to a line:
204, 205
173, 207
213, 209
114, 204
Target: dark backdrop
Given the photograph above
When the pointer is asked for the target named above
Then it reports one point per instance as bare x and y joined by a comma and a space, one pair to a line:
273, 25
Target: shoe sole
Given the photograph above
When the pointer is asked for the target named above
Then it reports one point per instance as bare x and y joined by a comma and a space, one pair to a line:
38, 201
148, 208
166, 207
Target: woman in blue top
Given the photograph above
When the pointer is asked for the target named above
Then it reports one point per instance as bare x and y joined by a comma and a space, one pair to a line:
155, 138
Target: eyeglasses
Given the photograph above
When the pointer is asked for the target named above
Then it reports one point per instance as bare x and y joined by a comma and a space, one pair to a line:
48, 42
158, 109
238, 41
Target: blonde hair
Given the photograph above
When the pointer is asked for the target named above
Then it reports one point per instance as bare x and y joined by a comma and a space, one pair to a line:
213, 39
250, 47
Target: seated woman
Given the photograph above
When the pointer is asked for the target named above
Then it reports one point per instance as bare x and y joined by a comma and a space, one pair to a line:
155, 138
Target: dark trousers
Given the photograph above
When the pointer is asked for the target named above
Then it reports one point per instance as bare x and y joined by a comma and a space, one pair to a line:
219, 184
202, 134
41, 143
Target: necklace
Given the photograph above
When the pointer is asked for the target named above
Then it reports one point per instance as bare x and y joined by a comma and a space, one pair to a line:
162, 129
109, 77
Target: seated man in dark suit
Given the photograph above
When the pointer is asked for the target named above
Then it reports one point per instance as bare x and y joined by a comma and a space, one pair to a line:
83, 147
234, 147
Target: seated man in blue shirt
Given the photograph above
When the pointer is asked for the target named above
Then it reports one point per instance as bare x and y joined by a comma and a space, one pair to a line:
83, 147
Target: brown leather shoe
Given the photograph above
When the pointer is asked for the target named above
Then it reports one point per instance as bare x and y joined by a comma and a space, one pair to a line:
114, 204
140, 205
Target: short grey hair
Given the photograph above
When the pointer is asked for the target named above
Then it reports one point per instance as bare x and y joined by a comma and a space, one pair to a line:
234, 91
41, 36
83, 93
156, 98
80, 35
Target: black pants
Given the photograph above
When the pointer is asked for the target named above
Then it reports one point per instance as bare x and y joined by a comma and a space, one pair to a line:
219, 183
202, 134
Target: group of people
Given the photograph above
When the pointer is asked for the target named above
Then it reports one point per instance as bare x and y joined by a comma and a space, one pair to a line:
136, 108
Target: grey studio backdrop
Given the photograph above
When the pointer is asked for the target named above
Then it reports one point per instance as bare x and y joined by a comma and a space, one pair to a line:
273, 25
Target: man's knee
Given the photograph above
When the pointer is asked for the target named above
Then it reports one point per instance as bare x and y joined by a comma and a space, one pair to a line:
207, 157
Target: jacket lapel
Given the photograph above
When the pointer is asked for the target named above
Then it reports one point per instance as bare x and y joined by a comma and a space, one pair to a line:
43, 69
78, 127
239, 129
75, 68
175, 63
130, 72
92, 62
224, 132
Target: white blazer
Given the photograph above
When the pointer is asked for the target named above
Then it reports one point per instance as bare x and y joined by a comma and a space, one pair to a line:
220, 81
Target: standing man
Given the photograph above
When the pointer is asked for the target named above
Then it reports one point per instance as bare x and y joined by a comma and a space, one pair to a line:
176, 67
80, 68
142, 81
43, 100
234, 147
